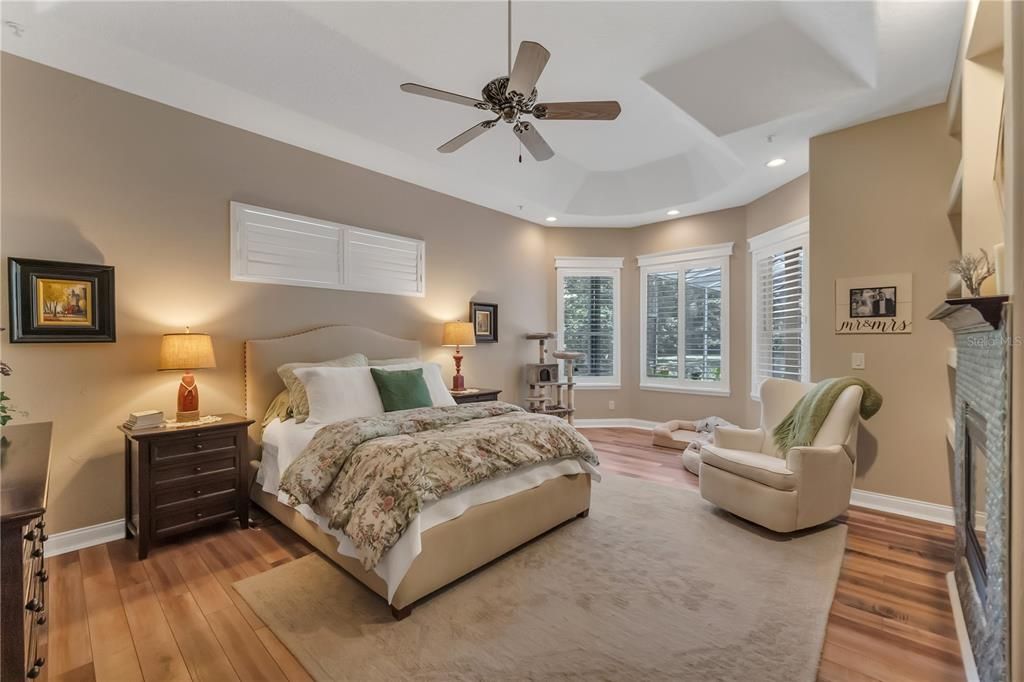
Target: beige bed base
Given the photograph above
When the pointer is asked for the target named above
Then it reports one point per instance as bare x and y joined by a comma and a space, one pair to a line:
449, 550
452, 549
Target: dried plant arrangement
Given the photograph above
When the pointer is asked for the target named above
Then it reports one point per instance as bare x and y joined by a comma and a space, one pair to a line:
973, 270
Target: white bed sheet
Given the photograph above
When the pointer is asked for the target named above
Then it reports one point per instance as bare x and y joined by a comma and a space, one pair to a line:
284, 441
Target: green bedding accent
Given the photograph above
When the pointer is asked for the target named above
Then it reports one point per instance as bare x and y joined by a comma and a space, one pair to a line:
401, 389
802, 423
371, 476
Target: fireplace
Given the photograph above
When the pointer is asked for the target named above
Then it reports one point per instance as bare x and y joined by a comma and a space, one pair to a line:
975, 467
980, 475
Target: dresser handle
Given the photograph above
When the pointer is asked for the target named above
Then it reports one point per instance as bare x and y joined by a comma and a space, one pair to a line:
197, 469
199, 446
199, 515
198, 493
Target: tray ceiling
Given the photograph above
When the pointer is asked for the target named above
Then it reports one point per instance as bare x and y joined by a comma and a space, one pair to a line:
702, 86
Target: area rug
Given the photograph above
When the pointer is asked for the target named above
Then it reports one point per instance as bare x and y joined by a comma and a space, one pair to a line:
655, 584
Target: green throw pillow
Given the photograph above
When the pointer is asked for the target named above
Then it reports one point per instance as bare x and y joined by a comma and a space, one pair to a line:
401, 389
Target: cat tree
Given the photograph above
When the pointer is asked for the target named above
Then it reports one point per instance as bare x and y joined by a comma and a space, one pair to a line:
546, 389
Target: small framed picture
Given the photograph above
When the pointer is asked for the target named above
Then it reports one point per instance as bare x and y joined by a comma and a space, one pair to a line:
484, 317
873, 302
55, 302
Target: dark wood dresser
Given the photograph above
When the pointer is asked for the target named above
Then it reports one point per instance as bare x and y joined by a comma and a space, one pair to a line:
479, 395
24, 477
180, 479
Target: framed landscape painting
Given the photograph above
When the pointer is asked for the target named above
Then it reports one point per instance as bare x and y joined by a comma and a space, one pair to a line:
484, 317
55, 302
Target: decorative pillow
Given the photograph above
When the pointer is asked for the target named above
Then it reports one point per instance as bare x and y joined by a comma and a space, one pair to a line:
280, 408
402, 389
439, 393
394, 361
296, 391
339, 393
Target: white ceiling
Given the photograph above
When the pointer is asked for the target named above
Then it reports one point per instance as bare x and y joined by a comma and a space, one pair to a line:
702, 86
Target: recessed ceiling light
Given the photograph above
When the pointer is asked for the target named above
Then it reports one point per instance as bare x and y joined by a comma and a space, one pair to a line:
775, 163
674, 211
551, 219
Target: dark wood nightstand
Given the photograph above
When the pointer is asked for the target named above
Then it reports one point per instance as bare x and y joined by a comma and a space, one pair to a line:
180, 479
479, 395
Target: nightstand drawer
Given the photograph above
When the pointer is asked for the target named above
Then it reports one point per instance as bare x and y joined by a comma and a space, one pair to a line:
197, 492
178, 447
177, 521
195, 468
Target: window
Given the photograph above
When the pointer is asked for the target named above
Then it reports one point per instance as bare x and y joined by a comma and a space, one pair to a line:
283, 248
684, 329
780, 343
588, 317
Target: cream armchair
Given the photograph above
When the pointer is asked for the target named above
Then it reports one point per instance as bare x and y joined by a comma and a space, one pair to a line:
744, 473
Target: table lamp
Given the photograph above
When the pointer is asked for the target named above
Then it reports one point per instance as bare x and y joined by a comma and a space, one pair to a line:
458, 334
187, 352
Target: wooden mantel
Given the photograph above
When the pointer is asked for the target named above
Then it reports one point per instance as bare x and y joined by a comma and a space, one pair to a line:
971, 315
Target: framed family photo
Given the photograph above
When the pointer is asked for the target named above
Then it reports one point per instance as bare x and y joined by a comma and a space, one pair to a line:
55, 302
875, 304
484, 317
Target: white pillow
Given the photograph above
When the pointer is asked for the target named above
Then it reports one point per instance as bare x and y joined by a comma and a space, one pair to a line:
439, 393
394, 361
339, 393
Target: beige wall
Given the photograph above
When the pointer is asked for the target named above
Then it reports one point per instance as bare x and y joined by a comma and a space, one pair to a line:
878, 196
784, 205
92, 174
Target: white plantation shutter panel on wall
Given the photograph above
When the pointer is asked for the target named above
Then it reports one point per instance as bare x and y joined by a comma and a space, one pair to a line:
780, 343
588, 316
283, 248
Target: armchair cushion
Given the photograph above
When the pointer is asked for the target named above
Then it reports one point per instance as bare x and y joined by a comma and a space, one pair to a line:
755, 466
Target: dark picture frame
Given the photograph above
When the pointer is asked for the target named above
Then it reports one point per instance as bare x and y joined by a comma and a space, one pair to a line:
484, 317
58, 302
873, 302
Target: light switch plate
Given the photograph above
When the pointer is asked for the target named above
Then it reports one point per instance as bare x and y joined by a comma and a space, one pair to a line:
857, 360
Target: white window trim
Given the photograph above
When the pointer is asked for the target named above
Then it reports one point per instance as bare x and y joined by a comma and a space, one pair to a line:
715, 255
583, 266
796, 233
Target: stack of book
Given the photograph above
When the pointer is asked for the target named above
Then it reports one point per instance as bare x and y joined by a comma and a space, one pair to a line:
144, 420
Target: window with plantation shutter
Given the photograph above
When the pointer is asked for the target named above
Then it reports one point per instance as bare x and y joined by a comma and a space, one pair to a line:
780, 345
684, 296
588, 317
274, 247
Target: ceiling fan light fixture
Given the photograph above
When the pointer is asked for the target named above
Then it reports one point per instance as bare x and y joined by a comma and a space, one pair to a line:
775, 163
674, 211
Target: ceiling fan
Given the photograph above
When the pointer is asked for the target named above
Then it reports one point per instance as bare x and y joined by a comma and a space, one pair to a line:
514, 96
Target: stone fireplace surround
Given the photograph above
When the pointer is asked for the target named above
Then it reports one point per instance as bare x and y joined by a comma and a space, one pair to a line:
981, 332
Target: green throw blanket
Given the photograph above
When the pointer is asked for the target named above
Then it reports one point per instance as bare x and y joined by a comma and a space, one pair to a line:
802, 423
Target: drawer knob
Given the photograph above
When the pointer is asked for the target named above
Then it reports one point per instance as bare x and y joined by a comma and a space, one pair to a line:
199, 515
199, 446
198, 493
197, 469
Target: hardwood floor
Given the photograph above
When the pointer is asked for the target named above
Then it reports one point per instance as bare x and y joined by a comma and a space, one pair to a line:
175, 615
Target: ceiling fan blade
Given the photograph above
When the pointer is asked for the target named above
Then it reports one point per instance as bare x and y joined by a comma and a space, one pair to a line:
531, 139
463, 138
529, 64
416, 89
577, 111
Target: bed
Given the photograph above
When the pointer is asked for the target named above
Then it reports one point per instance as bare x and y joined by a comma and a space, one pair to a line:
451, 537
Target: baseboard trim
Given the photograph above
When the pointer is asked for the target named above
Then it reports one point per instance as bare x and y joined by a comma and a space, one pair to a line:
904, 506
966, 653
80, 538
622, 423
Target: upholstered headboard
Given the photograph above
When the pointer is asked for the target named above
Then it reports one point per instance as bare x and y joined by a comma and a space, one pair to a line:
264, 356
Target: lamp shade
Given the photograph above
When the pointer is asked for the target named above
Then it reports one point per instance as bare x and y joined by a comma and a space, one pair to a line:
187, 351
458, 334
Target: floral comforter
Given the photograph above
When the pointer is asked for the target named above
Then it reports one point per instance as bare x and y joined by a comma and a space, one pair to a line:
371, 476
